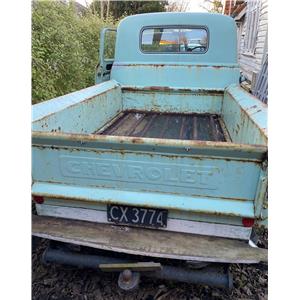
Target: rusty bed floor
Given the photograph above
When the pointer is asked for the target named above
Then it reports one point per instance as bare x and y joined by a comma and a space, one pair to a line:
204, 127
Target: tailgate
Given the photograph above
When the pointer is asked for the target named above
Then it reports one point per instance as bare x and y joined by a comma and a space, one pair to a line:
215, 178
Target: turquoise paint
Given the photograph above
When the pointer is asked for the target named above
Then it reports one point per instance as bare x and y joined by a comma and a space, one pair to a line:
254, 108
173, 102
245, 117
141, 172
215, 69
159, 200
46, 108
102, 72
84, 111
176, 76
222, 38
255, 153
183, 176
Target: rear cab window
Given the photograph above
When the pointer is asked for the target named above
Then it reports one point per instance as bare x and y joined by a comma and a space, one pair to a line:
174, 39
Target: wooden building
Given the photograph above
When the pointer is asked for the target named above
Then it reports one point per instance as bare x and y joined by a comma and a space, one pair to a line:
251, 18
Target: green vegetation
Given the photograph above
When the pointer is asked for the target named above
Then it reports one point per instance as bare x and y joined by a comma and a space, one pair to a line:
64, 49
65, 42
118, 9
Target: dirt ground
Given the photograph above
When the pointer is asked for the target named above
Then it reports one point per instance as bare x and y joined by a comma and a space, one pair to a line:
64, 283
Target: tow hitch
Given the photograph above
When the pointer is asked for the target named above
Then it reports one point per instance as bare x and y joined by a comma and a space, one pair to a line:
130, 271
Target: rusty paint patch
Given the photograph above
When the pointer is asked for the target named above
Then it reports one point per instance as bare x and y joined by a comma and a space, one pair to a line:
149, 65
83, 138
174, 156
246, 113
75, 104
152, 141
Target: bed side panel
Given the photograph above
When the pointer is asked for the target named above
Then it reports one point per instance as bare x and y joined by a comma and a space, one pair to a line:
245, 117
83, 111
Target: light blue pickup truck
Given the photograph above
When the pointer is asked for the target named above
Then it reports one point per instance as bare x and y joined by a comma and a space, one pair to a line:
165, 157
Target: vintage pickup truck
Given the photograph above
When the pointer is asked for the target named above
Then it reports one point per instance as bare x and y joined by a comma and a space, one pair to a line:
165, 157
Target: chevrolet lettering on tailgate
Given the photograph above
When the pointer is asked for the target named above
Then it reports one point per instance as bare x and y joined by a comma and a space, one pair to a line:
163, 174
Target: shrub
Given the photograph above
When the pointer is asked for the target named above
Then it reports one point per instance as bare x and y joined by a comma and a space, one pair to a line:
65, 48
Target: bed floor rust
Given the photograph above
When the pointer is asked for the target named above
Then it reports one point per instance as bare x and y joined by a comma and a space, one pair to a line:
204, 127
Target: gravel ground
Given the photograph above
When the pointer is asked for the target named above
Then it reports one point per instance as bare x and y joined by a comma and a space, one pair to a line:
64, 283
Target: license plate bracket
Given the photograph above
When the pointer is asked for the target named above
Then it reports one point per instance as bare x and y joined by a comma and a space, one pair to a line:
140, 216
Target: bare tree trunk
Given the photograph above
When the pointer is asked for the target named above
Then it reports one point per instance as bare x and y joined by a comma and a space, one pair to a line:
107, 11
179, 5
101, 10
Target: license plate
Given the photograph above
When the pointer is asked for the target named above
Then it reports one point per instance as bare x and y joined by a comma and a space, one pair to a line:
149, 217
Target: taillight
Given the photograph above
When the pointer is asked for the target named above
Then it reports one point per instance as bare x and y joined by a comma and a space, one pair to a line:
248, 222
38, 199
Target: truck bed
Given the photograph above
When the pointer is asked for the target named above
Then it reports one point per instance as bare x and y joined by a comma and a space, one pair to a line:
154, 148
204, 127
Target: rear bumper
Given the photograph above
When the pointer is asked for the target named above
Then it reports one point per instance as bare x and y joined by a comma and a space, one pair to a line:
147, 242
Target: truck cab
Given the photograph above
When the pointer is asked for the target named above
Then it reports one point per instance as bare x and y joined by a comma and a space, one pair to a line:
165, 156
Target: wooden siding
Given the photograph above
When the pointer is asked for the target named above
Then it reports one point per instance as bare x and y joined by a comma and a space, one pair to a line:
261, 86
253, 62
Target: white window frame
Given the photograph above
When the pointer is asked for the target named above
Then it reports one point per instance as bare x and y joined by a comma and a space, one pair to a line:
252, 20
